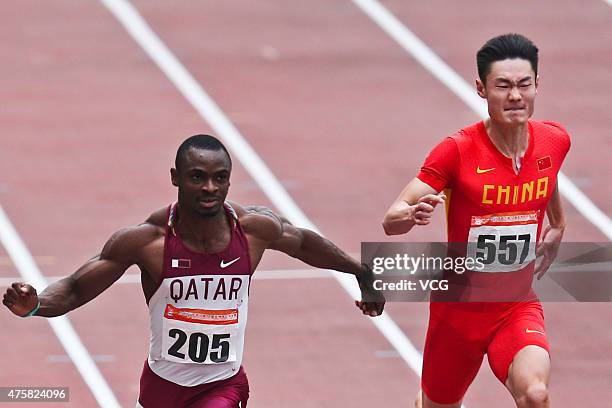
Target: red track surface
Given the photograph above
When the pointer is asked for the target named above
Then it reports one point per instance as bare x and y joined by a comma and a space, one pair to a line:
342, 115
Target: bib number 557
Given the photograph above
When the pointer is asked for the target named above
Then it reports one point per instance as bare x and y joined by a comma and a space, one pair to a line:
505, 251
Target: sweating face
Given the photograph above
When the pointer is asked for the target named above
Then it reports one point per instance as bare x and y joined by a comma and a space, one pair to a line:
202, 180
510, 91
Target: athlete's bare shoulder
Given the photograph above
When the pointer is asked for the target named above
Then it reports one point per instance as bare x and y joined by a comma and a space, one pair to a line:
259, 221
158, 218
133, 242
130, 242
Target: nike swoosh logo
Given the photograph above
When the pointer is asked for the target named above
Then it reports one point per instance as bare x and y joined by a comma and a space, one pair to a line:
225, 265
534, 331
480, 171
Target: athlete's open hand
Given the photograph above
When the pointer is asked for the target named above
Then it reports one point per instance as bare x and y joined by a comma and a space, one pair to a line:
547, 249
372, 301
425, 206
20, 298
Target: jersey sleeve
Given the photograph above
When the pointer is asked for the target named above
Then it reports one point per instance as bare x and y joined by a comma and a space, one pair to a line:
441, 165
561, 137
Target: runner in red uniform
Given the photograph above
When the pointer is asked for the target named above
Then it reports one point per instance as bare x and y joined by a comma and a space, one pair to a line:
196, 259
498, 178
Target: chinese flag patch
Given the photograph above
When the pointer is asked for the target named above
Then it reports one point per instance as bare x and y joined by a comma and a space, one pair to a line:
544, 163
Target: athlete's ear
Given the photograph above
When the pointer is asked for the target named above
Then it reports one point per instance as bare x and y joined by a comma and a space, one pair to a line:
174, 177
537, 83
480, 89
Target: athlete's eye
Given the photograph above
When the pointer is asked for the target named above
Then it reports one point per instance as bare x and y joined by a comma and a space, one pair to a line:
222, 178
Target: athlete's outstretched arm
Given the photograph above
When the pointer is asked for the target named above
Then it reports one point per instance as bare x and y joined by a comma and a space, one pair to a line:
91, 279
414, 206
318, 251
550, 238
280, 234
315, 250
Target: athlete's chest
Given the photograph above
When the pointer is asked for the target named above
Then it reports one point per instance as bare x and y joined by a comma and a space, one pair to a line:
193, 278
180, 259
489, 183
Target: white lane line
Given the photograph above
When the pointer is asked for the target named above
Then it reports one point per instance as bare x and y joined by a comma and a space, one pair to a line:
445, 74
61, 326
282, 274
288, 274
99, 358
259, 171
584, 205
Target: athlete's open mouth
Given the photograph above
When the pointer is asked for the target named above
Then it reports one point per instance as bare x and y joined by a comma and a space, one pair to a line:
208, 202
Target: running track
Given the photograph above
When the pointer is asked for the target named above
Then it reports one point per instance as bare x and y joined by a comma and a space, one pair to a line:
340, 113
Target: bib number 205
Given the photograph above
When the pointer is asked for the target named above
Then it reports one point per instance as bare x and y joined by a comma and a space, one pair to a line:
200, 347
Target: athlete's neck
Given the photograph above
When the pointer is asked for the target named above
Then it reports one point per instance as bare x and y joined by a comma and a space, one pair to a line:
205, 232
512, 141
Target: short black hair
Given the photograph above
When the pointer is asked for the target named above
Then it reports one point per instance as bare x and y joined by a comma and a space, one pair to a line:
206, 142
503, 47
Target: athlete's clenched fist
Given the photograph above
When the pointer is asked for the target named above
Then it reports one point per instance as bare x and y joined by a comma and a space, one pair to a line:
20, 298
423, 209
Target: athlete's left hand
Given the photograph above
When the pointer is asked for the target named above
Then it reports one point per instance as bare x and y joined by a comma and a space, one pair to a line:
547, 249
372, 301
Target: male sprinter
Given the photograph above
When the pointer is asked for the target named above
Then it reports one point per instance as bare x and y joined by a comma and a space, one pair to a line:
500, 177
196, 259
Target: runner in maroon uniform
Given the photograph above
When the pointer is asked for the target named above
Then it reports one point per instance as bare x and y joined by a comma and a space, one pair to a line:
499, 178
196, 259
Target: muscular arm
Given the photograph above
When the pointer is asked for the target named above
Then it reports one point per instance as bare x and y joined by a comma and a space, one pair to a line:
279, 234
276, 232
313, 249
91, 279
550, 238
414, 206
554, 211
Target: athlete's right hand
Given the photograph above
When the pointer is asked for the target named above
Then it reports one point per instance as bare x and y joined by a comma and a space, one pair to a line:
423, 209
372, 301
20, 298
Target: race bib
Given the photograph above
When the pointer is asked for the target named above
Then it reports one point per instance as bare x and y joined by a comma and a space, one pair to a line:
200, 336
504, 242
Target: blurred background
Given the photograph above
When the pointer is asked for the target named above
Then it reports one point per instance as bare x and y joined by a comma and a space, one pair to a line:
333, 99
